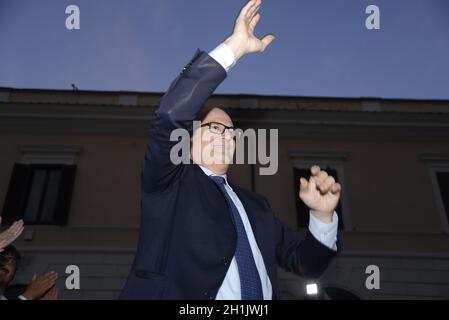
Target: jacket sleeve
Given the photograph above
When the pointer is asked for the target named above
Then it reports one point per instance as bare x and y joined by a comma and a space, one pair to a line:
177, 109
303, 255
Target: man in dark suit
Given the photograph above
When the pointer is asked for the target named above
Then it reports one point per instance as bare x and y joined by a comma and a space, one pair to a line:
201, 236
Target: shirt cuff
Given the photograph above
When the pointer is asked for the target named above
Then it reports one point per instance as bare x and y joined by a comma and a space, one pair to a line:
224, 56
326, 233
22, 297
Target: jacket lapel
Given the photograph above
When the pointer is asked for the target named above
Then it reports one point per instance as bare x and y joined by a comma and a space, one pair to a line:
254, 218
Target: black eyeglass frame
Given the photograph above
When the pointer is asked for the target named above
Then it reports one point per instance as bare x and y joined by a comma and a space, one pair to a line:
236, 133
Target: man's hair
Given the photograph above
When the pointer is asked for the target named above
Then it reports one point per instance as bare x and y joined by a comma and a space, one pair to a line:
10, 251
205, 111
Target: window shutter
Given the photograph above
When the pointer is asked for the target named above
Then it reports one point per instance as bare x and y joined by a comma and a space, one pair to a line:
302, 213
62, 207
443, 184
17, 193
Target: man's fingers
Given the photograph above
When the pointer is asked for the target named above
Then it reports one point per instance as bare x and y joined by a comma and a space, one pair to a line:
320, 177
321, 181
246, 7
326, 184
253, 10
336, 188
254, 21
267, 40
253, 7
312, 183
303, 184
315, 170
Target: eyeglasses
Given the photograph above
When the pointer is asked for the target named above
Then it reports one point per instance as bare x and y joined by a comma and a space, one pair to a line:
220, 128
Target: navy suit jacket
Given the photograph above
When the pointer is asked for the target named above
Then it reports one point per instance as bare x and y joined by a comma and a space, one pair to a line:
187, 237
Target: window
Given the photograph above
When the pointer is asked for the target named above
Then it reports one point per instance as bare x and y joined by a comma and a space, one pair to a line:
439, 175
302, 211
438, 168
442, 178
39, 193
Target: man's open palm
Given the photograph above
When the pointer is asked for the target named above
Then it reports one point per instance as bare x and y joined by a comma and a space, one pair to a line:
243, 40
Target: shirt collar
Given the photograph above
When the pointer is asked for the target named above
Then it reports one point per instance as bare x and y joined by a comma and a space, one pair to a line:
210, 173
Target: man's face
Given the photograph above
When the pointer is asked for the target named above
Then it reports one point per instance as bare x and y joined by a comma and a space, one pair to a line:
217, 149
8, 267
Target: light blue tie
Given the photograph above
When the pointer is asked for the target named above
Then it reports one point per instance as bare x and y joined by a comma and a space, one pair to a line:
251, 288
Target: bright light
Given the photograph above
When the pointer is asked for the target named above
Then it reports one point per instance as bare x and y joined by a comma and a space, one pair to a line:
312, 288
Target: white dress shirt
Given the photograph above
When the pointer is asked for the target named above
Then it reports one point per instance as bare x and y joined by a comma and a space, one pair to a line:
224, 56
230, 288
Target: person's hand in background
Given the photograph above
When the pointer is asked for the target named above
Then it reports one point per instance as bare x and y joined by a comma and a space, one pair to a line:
40, 285
12, 233
51, 294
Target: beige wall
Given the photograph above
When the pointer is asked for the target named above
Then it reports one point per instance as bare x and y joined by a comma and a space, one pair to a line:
390, 200
105, 207
392, 211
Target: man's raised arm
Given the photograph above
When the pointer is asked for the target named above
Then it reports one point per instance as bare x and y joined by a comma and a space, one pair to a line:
190, 90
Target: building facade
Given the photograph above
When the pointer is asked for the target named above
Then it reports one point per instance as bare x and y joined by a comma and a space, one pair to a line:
70, 163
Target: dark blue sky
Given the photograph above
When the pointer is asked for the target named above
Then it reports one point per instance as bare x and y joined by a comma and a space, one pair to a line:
322, 46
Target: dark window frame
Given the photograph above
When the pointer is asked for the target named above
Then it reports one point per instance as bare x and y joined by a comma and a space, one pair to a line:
19, 190
443, 182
